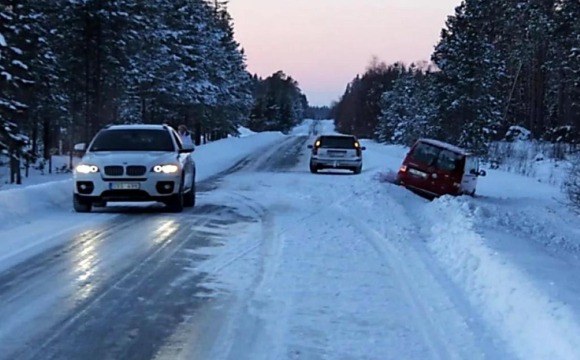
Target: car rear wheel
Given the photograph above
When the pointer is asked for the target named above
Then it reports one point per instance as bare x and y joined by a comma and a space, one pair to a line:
80, 205
189, 198
313, 168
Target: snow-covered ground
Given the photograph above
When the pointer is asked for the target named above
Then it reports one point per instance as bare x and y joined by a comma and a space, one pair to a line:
33, 218
345, 267
545, 162
336, 266
36, 176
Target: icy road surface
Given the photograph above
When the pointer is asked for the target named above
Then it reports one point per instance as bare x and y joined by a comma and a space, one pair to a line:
277, 263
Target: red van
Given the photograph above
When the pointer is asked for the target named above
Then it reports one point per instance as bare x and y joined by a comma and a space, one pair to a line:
435, 168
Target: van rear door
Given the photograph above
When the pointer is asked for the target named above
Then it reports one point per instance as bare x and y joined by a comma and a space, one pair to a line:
469, 183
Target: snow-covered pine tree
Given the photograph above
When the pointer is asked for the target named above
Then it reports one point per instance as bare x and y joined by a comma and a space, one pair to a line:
469, 107
47, 99
235, 97
408, 110
14, 80
279, 104
563, 65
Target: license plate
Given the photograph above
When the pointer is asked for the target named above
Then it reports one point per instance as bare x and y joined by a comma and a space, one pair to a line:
418, 173
336, 154
124, 186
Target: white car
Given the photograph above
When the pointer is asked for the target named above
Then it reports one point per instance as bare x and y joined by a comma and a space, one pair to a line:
127, 163
337, 152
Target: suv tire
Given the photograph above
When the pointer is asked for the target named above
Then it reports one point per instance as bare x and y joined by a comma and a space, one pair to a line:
80, 205
357, 170
175, 202
189, 198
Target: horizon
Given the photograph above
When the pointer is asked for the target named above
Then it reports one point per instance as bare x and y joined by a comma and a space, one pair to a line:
323, 47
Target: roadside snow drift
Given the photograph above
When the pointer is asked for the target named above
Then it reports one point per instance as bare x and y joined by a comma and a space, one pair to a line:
536, 326
20, 205
17, 205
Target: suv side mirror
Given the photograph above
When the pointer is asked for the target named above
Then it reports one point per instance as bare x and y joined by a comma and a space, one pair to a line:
483, 173
82, 147
310, 147
364, 148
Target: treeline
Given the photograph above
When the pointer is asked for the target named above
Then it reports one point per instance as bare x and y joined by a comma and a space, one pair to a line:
70, 67
318, 113
280, 104
499, 63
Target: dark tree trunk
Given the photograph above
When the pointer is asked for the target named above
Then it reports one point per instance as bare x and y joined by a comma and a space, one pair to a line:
34, 138
46, 137
197, 133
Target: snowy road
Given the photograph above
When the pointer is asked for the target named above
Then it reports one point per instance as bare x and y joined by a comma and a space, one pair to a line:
273, 263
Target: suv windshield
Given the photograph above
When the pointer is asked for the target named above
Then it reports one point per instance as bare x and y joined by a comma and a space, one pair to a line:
133, 140
337, 142
443, 160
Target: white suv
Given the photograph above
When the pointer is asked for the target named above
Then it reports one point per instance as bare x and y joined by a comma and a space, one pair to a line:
135, 163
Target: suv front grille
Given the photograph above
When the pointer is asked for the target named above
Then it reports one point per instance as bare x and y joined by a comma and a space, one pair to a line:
114, 170
136, 170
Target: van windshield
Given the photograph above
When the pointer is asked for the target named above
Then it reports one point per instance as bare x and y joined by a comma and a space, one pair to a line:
441, 159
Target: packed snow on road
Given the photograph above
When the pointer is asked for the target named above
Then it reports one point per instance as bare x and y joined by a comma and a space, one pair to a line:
278, 263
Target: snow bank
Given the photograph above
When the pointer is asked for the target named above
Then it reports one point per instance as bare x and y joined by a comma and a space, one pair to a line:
535, 325
18, 205
545, 162
37, 176
311, 127
219, 156
245, 132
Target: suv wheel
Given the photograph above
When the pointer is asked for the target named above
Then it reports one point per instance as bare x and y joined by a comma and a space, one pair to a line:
189, 198
80, 205
357, 170
175, 202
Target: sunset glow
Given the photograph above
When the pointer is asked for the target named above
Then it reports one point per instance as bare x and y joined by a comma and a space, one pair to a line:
324, 43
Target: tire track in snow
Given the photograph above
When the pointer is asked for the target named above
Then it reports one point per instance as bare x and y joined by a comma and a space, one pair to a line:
432, 334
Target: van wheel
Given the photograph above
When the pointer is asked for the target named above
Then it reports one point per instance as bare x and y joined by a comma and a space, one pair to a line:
80, 205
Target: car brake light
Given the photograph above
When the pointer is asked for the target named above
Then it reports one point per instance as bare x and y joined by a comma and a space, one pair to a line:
316, 147
403, 169
358, 149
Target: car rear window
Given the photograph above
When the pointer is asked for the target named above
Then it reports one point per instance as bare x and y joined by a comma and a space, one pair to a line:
133, 140
441, 159
337, 142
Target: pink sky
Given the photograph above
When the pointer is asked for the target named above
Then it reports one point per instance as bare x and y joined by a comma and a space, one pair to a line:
323, 44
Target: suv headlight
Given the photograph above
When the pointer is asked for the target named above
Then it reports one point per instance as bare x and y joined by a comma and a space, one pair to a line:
166, 169
86, 169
